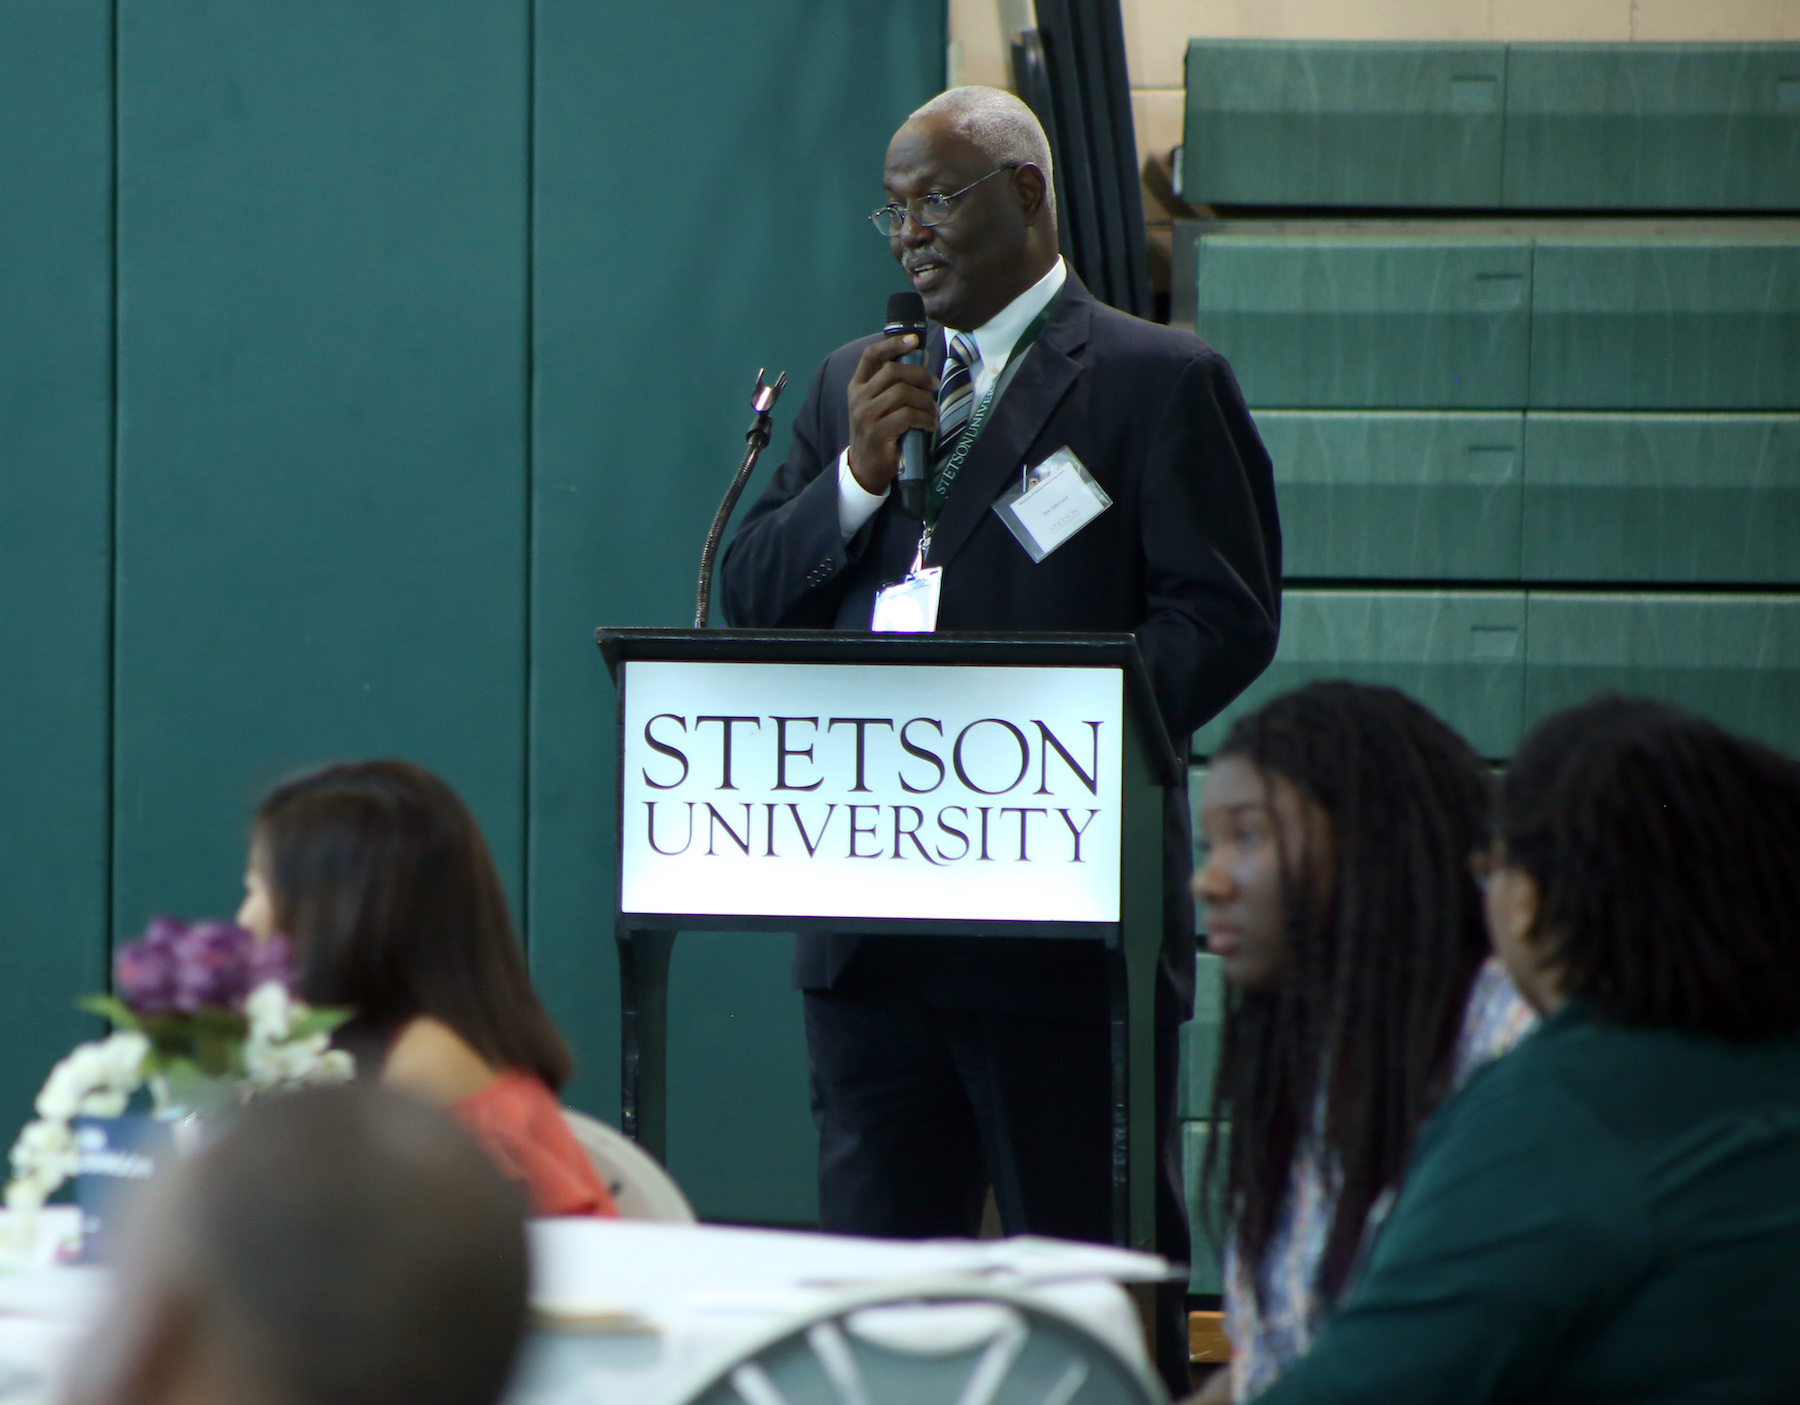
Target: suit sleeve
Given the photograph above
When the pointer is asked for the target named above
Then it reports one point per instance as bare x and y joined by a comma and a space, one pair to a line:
782, 564
1519, 1226
1212, 549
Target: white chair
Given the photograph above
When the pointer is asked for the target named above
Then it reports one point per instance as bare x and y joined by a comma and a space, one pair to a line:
640, 1188
948, 1344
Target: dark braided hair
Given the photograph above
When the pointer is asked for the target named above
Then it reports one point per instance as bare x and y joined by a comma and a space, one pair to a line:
1667, 857
1377, 976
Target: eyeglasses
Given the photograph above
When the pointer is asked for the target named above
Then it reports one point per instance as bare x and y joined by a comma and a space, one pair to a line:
928, 211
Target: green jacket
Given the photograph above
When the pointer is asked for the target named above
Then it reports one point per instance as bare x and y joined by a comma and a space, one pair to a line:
1604, 1214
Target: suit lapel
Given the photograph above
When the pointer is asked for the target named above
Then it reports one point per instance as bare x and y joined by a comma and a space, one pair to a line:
1043, 378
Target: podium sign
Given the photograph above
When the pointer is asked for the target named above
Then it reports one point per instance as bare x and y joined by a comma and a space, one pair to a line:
983, 787
765, 789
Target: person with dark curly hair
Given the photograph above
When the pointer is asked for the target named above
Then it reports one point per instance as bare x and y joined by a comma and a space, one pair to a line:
1338, 822
1611, 1212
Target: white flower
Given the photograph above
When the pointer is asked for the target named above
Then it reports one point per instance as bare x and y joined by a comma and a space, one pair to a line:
270, 1012
95, 1079
43, 1158
335, 1066
125, 1052
270, 1064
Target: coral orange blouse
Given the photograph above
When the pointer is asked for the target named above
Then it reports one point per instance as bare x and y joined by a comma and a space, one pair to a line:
516, 1117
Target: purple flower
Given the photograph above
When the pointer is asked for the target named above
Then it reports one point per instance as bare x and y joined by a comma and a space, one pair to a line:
175, 969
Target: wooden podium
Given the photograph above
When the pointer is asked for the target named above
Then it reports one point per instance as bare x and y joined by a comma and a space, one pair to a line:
990, 786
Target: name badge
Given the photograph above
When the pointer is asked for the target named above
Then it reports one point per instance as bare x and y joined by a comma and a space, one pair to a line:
911, 606
1051, 503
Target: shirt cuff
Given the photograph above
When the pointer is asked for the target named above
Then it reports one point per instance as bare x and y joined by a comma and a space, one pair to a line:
856, 505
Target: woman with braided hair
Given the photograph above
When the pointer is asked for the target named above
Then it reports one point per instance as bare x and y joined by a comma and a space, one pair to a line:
1612, 1211
1338, 824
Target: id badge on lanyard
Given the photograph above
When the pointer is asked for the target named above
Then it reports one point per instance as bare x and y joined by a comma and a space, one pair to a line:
909, 606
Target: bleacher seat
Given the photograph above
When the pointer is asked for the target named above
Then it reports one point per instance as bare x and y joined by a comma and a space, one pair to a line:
1397, 494
1689, 499
1440, 126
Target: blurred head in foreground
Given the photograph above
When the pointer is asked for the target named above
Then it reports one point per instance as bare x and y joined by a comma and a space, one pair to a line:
342, 1246
1647, 863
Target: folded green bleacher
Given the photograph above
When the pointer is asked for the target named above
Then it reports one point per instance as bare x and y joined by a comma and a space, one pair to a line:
1351, 483
1460, 652
1428, 126
1520, 326
1675, 498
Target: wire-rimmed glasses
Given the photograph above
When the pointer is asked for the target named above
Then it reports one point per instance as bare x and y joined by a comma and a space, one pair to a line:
928, 211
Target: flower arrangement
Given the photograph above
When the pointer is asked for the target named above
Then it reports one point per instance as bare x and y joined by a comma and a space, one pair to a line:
201, 1012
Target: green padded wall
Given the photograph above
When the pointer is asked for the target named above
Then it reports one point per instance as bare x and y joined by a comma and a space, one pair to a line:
1204, 1275
1369, 322
1200, 1039
55, 528
666, 271
1707, 126
1460, 652
1665, 324
321, 505
1394, 494
1273, 123
1708, 499
1735, 658
429, 360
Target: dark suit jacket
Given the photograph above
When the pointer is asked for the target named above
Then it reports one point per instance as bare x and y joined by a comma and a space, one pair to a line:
1188, 557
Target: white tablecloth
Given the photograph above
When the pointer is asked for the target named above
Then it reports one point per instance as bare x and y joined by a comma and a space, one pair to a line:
638, 1314
671, 1303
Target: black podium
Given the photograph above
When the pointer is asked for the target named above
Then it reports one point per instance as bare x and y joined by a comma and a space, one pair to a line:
750, 746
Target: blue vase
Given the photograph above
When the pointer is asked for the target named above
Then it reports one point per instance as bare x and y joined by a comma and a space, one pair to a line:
117, 1156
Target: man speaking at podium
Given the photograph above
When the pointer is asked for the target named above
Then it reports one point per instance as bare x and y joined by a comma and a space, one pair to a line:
942, 1066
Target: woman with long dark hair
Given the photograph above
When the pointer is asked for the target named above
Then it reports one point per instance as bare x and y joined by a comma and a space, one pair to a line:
1612, 1211
1338, 823
379, 876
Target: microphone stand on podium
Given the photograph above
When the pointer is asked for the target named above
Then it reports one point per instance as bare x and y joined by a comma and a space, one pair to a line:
762, 402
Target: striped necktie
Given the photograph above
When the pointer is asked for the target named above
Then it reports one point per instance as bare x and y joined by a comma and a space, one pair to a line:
956, 390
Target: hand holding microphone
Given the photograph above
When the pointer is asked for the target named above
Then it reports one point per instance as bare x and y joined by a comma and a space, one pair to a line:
893, 406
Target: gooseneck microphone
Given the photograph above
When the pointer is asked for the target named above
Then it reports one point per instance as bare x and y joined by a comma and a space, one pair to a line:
906, 313
756, 439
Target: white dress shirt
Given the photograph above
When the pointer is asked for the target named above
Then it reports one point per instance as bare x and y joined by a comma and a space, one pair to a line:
994, 341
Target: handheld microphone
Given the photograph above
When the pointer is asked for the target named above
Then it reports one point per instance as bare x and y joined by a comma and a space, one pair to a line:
906, 313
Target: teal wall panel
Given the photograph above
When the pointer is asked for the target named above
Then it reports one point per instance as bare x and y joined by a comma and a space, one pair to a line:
741, 1137
1200, 1039
1204, 1276
321, 504
1735, 658
1461, 653
665, 273
1707, 126
1707, 499
1666, 324
1275, 123
1373, 321
1397, 494
55, 528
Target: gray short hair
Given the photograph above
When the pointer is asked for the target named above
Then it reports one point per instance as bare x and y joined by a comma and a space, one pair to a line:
1002, 126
